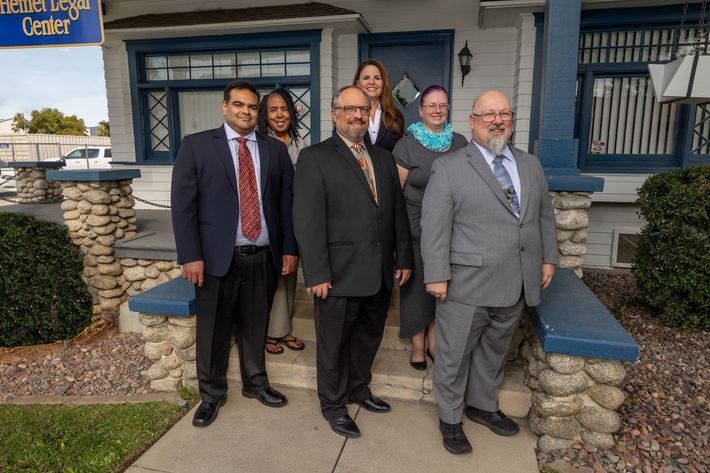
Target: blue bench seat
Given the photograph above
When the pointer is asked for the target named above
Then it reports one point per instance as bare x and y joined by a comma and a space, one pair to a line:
572, 321
175, 297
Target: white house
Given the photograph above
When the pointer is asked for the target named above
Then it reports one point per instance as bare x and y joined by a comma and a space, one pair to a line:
576, 71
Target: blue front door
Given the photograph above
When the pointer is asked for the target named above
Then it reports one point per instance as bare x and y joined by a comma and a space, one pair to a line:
424, 56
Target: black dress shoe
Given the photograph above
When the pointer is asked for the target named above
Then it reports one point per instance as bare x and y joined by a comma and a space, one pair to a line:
455, 440
498, 422
207, 412
345, 426
267, 396
418, 365
374, 404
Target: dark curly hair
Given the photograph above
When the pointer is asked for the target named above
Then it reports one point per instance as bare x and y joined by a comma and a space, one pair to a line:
262, 123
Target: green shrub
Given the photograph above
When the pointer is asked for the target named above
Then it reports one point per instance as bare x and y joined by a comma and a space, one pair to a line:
672, 266
42, 295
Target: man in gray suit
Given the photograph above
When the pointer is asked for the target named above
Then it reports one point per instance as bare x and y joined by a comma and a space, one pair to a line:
489, 245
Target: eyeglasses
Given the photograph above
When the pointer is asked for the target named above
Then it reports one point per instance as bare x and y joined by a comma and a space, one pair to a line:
436, 106
490, 116
350, 109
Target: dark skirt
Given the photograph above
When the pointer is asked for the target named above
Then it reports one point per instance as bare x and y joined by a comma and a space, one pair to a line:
416, 306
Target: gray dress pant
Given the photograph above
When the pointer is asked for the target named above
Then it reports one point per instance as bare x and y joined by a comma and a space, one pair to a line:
471, 347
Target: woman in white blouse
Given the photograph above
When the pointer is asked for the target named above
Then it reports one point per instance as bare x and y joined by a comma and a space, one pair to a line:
386, 122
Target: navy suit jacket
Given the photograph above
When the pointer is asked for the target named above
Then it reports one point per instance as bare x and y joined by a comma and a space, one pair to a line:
385, 138
205, 202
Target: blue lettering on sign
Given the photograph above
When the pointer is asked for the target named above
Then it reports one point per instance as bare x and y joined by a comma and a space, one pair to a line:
44, 23
4, 146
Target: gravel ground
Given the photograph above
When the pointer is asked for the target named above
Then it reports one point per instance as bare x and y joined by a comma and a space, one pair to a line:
666, 413
103, 362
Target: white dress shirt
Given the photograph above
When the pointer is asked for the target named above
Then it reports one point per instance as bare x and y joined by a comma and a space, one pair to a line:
263, 238
374, 126
509, 164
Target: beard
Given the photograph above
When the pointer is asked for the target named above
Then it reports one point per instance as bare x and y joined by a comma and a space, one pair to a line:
497, 143
353, 134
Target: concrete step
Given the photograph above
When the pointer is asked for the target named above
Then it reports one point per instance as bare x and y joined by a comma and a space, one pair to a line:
303, 326
392, 377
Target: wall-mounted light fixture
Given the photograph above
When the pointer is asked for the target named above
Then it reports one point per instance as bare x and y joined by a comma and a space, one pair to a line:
465, 57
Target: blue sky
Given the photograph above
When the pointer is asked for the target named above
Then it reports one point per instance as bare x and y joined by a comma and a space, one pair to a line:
69, 79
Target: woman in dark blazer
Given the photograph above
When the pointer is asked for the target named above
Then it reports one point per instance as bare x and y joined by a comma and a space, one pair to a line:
386, 122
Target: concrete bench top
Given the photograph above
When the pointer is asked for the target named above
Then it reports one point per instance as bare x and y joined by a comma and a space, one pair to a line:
175, 297
35, 164
93, 175
571, 320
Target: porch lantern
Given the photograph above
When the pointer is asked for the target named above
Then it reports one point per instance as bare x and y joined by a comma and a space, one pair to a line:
684, 79
465, 57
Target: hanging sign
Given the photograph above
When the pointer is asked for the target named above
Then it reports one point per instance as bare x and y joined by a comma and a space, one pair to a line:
684, 80
46, 23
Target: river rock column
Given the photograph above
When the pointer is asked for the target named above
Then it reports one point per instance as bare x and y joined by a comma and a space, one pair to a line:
572, 222
98, 210
31, 181
146, 274
574, 398
170, 344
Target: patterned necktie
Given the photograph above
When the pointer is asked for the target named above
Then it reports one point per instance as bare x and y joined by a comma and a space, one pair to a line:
359, 151
506, 183
248, 193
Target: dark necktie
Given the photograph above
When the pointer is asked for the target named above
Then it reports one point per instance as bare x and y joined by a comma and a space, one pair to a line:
506, 183
248, 193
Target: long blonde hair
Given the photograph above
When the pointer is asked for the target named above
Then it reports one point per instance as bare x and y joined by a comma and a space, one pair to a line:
391, 117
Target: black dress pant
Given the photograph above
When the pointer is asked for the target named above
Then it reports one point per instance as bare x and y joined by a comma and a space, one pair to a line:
348, 334
237, 303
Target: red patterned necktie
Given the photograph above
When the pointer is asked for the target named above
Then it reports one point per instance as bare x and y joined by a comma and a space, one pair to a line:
248, 193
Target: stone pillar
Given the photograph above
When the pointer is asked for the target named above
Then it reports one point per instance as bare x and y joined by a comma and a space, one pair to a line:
574, 398
572, 222
31, 181
145, 274
170, 344
98, 210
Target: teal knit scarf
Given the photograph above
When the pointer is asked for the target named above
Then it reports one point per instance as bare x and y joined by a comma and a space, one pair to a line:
429, 139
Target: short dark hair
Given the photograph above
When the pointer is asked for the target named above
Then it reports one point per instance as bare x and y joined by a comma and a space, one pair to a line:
240, 84
262, 123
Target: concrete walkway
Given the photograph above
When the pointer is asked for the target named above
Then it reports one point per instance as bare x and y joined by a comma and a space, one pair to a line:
250, 438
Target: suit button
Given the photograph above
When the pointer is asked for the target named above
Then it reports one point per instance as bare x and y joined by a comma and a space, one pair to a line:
522, 248
521, 225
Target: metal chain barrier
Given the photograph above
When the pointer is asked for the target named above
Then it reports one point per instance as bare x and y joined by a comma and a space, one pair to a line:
154, 204
5, 196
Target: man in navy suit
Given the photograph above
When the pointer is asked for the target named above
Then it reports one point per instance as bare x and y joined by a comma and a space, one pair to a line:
232, 197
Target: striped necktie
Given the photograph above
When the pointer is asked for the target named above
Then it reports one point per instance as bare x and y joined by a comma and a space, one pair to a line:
506, 183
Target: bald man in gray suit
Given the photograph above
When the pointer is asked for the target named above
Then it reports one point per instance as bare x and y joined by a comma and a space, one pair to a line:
489, 245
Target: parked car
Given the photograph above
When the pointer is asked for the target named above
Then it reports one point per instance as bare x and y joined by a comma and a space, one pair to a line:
88, 157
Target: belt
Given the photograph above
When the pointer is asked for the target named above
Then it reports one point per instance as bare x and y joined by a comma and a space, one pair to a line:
249, 249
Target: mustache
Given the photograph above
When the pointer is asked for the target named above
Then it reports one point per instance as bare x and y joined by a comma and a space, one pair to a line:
357, 120
496, 128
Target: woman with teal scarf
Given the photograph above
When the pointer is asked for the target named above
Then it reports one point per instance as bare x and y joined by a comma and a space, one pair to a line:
427, 140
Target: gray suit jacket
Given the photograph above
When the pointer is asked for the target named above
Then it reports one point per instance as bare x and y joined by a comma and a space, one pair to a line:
472, 238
